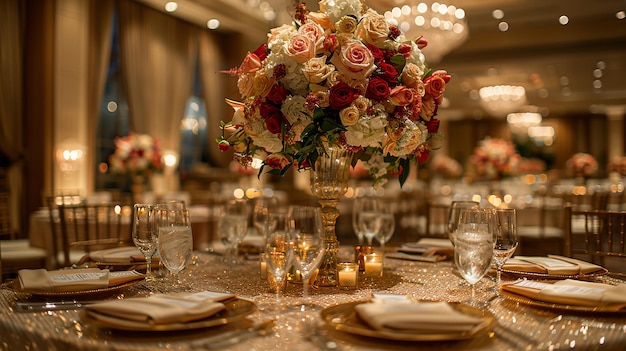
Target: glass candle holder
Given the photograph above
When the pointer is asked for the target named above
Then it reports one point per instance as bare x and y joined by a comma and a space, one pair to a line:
348, 274
263, 265
373, 265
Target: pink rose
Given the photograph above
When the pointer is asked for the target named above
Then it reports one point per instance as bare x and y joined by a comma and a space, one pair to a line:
401, 95
251, 63
355, 61
301, 48
435, 85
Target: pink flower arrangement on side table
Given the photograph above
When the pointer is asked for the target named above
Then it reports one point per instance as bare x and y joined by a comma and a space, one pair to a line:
136, 155
343, 76
582, 164
495, 158
618, 165
446, 166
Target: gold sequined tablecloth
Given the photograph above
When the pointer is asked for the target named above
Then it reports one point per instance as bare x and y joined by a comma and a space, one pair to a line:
518, 327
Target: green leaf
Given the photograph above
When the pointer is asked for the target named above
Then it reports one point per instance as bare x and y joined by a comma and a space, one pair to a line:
406, 166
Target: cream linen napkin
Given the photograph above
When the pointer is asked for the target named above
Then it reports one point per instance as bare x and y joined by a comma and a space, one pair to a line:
552, 264
121, 254
68, 280
161, 308
572, 292
416, 317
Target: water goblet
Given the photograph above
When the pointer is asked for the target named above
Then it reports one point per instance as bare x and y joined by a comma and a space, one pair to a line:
474, 246
453, 215
175, 241
367, 211
233, 227
505, 239
308, 245
279, 250
144, 233
260, 214
387, 227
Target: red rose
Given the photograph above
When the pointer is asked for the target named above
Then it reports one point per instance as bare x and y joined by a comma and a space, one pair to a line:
261, 52
376, 52
277, 94
341, 96
331, 43
432, 125
390, 74
423, 156
377, 89
421, 42
274, 122
223, 145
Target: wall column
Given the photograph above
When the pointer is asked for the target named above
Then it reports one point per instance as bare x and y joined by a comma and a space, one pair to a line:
615, 119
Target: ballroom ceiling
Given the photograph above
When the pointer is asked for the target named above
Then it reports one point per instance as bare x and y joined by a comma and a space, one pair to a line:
573, 69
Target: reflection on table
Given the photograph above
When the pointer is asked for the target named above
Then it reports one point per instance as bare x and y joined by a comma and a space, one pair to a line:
518, 326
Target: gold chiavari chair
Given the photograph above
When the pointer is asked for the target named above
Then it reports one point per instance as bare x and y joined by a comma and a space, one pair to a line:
598, 236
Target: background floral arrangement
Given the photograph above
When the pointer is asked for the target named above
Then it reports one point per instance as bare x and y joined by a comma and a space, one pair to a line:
618, 165
136, 154
531, 165
582, 164
495, 158
446, 166
343, 76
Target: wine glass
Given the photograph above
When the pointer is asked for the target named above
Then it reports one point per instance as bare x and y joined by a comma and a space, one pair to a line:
173, 204
387, 226
505, 239
175, 241
144, 232
367, 211
278, 249
233, 227
262, 207
453, 215
308, 245
474, 245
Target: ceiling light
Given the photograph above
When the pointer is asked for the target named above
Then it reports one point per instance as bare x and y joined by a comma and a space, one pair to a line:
500, 100
442, 25
171, 6
213, 23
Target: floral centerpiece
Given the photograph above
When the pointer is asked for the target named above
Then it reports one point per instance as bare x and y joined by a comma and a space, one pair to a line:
531, 166
136, 155
617, 165
446, 166
582, 164
495, 158
344, 77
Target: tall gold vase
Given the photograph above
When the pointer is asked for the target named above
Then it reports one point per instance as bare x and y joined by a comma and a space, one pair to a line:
329, 182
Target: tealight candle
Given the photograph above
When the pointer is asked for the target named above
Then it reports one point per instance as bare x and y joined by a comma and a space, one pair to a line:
348, 275
263, 265
373, 265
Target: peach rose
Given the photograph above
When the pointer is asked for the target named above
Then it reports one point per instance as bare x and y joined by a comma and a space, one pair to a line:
262, 83
429, 106
301, 48
251, 63
402, 96
372, 28
355, 60
245, 84
347, 24
322, 97
349, 115
435, 85
316, 70
321, 19
411, 74
315, 32
361, 103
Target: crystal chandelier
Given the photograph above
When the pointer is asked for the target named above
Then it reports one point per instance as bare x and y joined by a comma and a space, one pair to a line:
443, 26
500, 100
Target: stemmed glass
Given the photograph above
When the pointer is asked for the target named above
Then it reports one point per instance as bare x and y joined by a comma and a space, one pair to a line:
505, 239
474, 245
387, 227
260, 214
144, 232
453, 216
278, 250
175, 241
308, 245
233, 227
367, 211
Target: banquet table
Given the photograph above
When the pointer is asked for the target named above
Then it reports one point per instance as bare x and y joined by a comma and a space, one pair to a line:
516, 327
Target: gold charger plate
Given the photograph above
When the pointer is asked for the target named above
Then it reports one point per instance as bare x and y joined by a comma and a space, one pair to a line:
343, 317
235, 310
15, 286
538, 275
560, 307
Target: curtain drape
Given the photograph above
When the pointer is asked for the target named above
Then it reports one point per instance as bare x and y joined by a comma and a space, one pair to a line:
99, 56
210, 63
157, 54
11, 117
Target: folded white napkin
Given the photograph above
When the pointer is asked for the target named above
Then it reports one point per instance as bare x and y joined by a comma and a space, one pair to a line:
416, 317
572, 292
161, 308
552, 264
67, 280
120, 254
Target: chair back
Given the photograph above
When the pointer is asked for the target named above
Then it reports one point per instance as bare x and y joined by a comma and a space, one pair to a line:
597, 235
436, 220
88, 227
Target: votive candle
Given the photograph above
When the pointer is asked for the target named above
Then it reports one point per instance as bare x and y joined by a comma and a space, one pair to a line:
373, 265
348, 275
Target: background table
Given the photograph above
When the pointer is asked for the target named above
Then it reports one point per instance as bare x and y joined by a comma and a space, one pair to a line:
520, 327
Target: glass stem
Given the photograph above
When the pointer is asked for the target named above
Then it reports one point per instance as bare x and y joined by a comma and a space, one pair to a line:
148, 267
305, 289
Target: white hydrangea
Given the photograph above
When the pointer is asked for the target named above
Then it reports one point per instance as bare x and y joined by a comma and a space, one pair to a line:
293, 109
377, 168
335, 9
270, 142
367, 131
